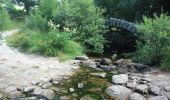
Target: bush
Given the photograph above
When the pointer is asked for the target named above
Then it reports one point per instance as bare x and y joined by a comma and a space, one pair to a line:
84, 17
37, 22
154, 44
52, 43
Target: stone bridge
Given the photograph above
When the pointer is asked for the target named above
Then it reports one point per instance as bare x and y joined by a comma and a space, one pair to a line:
122, 24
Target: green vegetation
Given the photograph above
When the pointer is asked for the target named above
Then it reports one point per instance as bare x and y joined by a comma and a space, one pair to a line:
67, 28
92, 86
4, 19
53, 43
153, 47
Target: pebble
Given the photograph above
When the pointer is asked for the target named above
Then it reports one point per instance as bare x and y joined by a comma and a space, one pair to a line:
80, 85
71, 89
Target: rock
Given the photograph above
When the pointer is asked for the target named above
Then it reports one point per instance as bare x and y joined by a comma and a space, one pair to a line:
35, 82
44, 92
55, 82
122, 61
80, 85
106, 67
48, 94
136, 96
106, 61
82, 58
155, 90
64, 98
120, 79
15, 94
37, 91
167, 88
45, 79
1, 96
143, 88
114, 57
29, 98
141, 67
146, 79
87, 97
89, 64
118, 92
11, 89
132, 85
101, 75
158, 98
168, 96
46, 85
28, 89
126, 68
71, 89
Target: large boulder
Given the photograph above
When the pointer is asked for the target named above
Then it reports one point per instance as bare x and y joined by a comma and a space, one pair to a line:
136, 96
118, 92
120, 79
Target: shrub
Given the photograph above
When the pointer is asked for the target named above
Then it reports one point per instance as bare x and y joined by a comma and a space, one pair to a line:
37, 22
154, 44
84, 17
52, 43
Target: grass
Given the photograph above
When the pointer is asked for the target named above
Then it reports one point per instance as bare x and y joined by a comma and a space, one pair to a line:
52, 43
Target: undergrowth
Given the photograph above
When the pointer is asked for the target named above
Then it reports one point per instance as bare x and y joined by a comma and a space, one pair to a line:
52, 43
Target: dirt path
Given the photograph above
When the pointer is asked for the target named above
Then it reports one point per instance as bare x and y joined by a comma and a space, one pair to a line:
20, 69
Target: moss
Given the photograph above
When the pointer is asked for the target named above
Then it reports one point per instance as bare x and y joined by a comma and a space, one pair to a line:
93, 86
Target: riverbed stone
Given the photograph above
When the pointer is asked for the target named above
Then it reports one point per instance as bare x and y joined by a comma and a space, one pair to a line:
168, 96
143, 88
167, 88
136, 96
35, 82
101, 75
119, 92
55, 82
48, 94
14, 94
46, 85
114, 57
80, 85
120, 79
87, 97
82, 58
106, 61
28, 89
71, 89
155, 90
158, 98
132, 85
11, 89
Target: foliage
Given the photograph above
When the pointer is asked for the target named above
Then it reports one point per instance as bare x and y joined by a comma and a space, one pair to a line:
154, 44
37, 22
52, 43
78, 16
4, 18
86, 19
133, 10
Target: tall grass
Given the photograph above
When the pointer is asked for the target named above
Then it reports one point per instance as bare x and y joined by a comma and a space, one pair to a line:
52, 43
